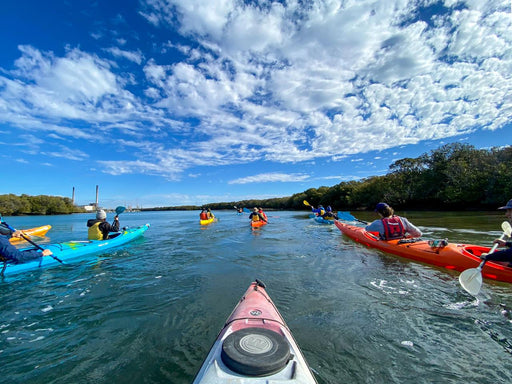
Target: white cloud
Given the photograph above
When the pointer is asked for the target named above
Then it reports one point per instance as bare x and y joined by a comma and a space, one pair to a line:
277, 81
271, 178
136, 57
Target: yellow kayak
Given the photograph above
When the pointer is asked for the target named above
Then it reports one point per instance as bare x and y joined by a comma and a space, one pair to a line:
37, 231
207, 221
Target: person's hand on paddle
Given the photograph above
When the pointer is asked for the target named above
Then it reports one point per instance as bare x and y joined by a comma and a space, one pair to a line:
500, 242
116, 217
17, 234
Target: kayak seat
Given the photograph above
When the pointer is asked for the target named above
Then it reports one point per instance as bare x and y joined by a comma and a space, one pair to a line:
255, 352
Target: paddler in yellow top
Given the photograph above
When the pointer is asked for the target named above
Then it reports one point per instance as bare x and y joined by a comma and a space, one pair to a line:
99, 228
256, 215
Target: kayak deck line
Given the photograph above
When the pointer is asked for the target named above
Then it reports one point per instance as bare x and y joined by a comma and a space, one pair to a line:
255, 346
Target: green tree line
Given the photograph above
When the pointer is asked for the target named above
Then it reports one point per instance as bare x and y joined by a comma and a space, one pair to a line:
452, 177
13, 205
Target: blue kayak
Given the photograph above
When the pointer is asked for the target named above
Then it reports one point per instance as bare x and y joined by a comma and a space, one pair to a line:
321, 220
76, 250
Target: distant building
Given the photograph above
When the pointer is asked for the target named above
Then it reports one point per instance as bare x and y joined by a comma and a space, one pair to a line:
91, 207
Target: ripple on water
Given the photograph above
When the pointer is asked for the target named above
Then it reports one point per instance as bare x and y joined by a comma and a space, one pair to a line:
149, 312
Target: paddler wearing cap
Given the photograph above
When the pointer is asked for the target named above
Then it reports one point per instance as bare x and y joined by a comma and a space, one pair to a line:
99, 228
391, 226
256, 215
506, 254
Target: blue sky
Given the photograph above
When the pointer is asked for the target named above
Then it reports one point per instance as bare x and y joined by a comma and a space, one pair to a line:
172, 102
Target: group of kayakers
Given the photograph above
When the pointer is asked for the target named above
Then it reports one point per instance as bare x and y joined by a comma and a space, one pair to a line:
388, 226
257, 214
206, 214
324, 213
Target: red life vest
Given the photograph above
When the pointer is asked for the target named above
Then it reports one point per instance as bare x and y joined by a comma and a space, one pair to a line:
393, 228
203, 216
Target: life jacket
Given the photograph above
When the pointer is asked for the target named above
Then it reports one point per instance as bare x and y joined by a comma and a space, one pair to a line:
203, 216
94, 232
255, 217
393, 228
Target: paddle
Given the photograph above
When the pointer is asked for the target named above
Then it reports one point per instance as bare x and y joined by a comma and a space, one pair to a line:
471, 279
31, 242
119, 210
344, 215
309, 205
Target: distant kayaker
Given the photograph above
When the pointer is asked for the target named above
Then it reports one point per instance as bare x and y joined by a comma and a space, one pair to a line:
506, 254
390, 226
320, 211
99, 228
260, 211
257, 216
329, 214
203, 215
10, 254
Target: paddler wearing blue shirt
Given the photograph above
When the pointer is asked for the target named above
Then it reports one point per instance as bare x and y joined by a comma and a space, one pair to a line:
506, 254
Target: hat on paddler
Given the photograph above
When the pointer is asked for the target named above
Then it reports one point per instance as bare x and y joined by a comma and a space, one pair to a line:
508, 206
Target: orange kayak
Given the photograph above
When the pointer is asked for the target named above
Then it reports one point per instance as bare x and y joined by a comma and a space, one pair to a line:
457, 257
259, 223
37, 231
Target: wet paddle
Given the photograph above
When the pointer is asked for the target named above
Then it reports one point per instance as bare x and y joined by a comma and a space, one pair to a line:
471, 279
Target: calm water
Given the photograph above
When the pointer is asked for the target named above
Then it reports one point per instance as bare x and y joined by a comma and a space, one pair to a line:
149, 312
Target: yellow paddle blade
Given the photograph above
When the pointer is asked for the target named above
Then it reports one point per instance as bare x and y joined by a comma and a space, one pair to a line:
306, 203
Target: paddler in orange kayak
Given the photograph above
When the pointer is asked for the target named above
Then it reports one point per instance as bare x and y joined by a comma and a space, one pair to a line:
391, 226
257, 216
506, 254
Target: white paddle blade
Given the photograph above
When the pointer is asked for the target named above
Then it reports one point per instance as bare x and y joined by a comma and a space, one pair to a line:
507, 228
471, 280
